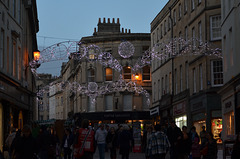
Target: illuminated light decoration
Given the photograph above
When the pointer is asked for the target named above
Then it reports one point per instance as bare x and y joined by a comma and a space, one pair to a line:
160, 51
36, 55
126, 49
136, 76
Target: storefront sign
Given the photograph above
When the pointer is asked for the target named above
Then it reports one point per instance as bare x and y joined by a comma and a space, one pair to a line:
197, 106
180, 108
228, 105
154, 111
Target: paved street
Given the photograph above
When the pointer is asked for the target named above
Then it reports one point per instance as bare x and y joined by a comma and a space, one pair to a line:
142, 155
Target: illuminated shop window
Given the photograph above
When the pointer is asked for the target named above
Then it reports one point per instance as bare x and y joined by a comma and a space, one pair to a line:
181, 121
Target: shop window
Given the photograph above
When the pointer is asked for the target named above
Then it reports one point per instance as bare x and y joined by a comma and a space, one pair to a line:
108, 102
127, 72
181, 121
2, 49
108, 74
217, 129
229, 119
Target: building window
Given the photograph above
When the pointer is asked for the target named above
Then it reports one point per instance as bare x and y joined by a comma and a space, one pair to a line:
14, 50
200, 32
215, 27
193, 4
91, 75
2, 49
14, 8
181, 88
19, 64
127, 73
19, 11
155, 91
174, 17
91, 105
153, 38
165, 27
176, 80
157, 35
194, 39
163, 91
127, 102
180, 42
108, 102
146, 73
170, 82
186, 33
180, 11
185, 6
169, 23
166, 84
108, 74
159, 90
194, 81
161, 31
181, 121
199, 1
201, 77
217, 73
229, 120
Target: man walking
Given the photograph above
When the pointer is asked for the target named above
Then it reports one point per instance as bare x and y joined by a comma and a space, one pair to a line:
158, 144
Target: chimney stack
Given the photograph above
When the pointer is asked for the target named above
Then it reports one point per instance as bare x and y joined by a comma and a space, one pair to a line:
125, 30
108, 20
117, 20
122, 30
99, 20
104, 20
95, 30
129, 30
113, 21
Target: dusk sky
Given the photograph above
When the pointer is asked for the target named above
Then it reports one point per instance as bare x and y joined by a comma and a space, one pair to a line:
64, 20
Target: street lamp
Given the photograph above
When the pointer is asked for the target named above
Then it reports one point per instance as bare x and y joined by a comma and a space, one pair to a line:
137, 76
36, 55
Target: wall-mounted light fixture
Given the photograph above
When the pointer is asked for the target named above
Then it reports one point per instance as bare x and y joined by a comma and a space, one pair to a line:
137, 76
36, 55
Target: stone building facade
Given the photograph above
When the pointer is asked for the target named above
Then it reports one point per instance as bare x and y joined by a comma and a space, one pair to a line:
185, 85
230, 92
117, 107
18, 28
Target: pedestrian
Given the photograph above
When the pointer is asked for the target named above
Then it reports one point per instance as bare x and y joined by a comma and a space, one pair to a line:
236, 148
100, 138
211, 147
67, 142
174, 134
125, 140
185, 144
112, 142
9, 141
108, 129
158, 144
193, 134
196, 149
203, 136
146, 136
84, 146
25, 145
43, 142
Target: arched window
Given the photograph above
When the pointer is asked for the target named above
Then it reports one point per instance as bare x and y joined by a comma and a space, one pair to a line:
91, 75
146, 73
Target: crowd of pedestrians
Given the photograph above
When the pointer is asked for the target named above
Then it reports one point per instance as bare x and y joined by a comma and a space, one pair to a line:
82, 142
77, 143
181, 144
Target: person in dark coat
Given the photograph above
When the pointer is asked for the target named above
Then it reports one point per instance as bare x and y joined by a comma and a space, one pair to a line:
124, 140
185, 144
236, 148
211, 147
25, 145
175, 135
67, 142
